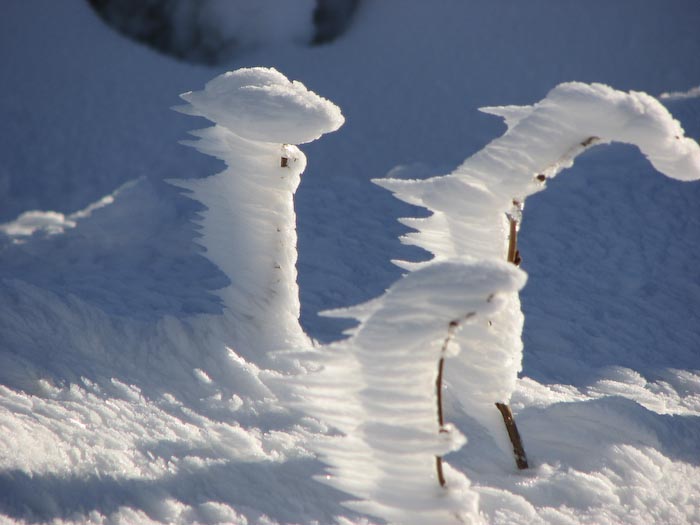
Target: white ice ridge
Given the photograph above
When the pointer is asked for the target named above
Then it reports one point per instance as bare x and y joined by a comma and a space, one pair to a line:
53, 222
379, 389
249, 227
470, 206
681, 95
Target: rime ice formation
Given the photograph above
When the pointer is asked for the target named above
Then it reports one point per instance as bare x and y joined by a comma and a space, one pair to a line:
249, 228
262, 105
379, 388
120, 404
469, 204
470, 207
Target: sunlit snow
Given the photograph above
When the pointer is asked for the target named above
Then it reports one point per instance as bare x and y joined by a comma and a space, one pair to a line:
129, 393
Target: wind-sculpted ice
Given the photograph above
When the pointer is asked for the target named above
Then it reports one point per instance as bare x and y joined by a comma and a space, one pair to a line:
379, 389
470, 203
262, 105
249, 227
473, 205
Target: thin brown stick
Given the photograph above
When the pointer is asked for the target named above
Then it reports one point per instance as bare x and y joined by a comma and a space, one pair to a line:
440, 473
567, 157
452, 327
441, 417
512, 240
590, 141
514, 435
506, 413
438, 387
513, 252
514, 257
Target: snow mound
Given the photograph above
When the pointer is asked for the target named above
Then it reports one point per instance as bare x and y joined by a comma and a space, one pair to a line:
263, 105
35, 220
53, 222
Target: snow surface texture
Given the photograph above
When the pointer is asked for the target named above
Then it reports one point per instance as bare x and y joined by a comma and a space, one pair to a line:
249, 226
608, 402
125, 419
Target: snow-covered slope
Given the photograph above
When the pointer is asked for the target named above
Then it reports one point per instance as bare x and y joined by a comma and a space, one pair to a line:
119, 398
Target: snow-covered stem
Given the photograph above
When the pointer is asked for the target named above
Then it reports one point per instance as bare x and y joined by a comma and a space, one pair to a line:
441, 416
474, 215
507, 414
249, 226
385, 379
451, 329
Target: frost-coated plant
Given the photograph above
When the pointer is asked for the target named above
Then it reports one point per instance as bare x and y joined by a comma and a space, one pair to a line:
456, 316
477, 207
379, 389
476, 211
249, 227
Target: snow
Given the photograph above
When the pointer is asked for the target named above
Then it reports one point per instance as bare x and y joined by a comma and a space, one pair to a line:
52, 222
31, 221
469, 207
378, 388
680, 95
262, 105
607, 401
248, 229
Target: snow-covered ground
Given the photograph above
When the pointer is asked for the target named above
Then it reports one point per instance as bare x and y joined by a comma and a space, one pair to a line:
120, 401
